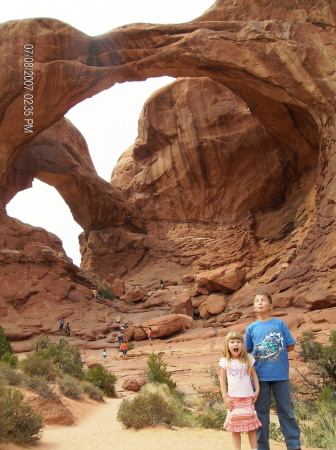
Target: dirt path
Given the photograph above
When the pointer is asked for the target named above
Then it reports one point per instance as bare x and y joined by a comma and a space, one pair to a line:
100, 431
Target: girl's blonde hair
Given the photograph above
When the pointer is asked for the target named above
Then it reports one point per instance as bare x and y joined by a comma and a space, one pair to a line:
243, 357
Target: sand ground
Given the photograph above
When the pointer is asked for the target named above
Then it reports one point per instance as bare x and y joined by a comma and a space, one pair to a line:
98, 429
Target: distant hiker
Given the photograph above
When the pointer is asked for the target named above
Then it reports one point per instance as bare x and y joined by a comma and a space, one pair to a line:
149, 335
124, 349
161, 284
122, 326
120, 338
104, 353
61, 325
94, 293
67, 329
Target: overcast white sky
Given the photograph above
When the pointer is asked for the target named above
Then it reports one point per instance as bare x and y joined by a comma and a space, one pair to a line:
109, 120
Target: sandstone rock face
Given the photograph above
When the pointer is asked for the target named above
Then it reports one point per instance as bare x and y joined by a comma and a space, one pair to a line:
159, 298
161, 327
183, 305
202, 134
215, 180
134, 294
226, 279
215, 304
116, 283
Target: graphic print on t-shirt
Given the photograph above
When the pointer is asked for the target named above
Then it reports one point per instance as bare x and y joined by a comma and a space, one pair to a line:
269, 349
237, 372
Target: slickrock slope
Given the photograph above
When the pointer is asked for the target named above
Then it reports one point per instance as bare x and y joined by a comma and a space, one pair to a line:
233, 164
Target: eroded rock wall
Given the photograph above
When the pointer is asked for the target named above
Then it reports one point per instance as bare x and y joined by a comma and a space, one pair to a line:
213, 178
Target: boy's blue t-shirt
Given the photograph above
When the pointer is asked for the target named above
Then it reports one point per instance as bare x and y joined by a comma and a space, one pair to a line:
268, 342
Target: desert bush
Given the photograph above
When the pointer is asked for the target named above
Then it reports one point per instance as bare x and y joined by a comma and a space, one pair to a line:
102, 378
108, 293
154, 405
93, 391
275, 432
19, 423
5, 346
66, 357
323, 432
130, 345
40, 385
70, 388
38, 365
8, 375
9, 359
321, 362
157, 371
211, 415
303, 410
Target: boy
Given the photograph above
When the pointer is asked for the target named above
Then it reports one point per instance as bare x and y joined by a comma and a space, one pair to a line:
123, 348
269, 341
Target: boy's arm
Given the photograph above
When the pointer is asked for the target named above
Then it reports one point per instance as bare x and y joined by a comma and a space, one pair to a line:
222, 381
289, 340
248, 341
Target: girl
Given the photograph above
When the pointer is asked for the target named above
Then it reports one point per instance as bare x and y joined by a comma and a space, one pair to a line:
237, 370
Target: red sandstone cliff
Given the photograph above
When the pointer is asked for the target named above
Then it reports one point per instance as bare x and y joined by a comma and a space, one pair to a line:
234, 162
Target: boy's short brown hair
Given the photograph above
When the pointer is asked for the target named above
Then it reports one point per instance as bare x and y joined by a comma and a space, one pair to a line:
266, 294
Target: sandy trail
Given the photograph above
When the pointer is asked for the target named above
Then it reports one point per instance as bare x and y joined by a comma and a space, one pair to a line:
100, 431
96, 427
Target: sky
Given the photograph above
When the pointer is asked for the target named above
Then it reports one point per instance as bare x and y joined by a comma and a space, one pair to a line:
109, 120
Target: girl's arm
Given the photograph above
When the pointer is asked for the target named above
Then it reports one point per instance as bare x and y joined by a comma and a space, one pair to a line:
256, 384
226, 399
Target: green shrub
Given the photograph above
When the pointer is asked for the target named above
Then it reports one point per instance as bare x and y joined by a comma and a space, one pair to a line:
41, 386
70, 388
157, 371
93, 391
8, 375
9, 359
276, 433
321, 362
211, 415
66, 357
36, 364
304, 410
5, 346
19, 423
102, 378
130, 345
323, 433
108, 293
154, 405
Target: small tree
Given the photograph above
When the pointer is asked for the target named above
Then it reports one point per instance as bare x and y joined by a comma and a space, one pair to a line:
5, 346
63, 355
157, 371
321, 361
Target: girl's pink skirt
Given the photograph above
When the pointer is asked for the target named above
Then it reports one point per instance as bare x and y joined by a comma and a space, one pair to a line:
242, 417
